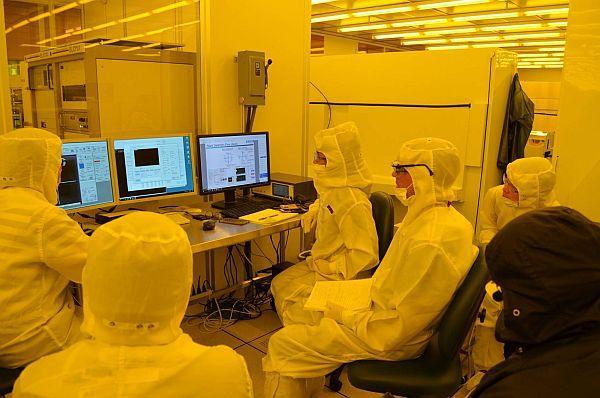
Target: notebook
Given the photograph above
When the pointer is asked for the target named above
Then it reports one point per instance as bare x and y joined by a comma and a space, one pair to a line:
347, 295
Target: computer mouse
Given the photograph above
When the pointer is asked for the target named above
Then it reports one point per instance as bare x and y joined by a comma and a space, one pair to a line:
208, 225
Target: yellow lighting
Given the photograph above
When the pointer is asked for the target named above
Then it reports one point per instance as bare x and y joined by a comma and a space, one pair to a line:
530, 66
92, 45
491, 45
104, 25
134, 17
64, 8
154, 32
552, 49
546, 35
449, 31
474, 39
8, 30
62, 36
420, 22
480, 17
547, 11
20, 24
532, 55
450, 3
364, 27
382, 11
133, 37
151, 45
111, 41
544, 59
459, 47
82, 2
511, 27
321, 1
424, 41
558, 24
396, 35
327, 18
40, 16
187, 24
558, 54
43, 41
131, 49
170, 7
82, 31
553, 66
544, 43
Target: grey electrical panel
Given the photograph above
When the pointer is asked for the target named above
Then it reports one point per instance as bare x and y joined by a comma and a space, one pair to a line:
251, 77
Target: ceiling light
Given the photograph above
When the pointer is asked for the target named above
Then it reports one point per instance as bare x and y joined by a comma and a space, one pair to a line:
20, 24
40, 16
529, 66
64, 8
152, 45
131, 49
480, 17
104, 25
511, 27
363, 28
154, 32
170, 7
35, 45
62, 36
475, 38
491, 45
558, 24
133, 37
321, 1
450, 3
326, 18
82, 31
382, 11
544, 43
91, 45
531, 55
553, 66
396, 35
449, 31
187, 24
558, 54
543, 59
134, 17
532, 36
111, 41
43, 41
424, 41
547, 11
459, 47
551, 49
82, 2
8, 30
420, 22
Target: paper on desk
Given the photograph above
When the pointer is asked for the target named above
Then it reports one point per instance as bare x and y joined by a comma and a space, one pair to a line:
349, 295
178, 218
268, 217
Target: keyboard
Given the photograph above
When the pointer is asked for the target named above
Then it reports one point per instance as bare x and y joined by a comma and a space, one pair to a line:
247, 207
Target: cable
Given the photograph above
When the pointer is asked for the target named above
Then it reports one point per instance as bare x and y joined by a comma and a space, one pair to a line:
326, 101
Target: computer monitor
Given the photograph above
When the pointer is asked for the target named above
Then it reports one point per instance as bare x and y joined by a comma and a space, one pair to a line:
150, 167
86, 175
230, 161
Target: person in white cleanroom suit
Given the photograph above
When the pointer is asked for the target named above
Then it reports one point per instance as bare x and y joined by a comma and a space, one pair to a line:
428, 258
528, 185
346, 238
41, 250
136, 287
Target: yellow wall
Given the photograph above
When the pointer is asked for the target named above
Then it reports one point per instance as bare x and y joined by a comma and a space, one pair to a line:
578, 164
5, 107
543, 87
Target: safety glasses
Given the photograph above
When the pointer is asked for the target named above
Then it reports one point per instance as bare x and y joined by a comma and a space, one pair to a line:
401, 168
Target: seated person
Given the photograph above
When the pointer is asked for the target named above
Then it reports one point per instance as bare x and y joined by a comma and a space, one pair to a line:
41, 250
346, 238
528, 185
136, 287
427, 260
547, 263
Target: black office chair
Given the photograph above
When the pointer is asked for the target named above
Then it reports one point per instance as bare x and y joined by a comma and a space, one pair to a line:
7, 379
437, 373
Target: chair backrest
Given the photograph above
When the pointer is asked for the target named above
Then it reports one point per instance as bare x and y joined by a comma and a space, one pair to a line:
7, 379
460, 314
383, 214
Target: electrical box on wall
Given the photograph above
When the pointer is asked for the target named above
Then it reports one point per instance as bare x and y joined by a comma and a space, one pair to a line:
251, 77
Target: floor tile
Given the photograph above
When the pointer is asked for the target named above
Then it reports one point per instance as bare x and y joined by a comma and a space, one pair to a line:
211, 339
253, 359
262, 343
251, 329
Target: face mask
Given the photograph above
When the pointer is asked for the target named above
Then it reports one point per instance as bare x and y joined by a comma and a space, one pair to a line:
401, 195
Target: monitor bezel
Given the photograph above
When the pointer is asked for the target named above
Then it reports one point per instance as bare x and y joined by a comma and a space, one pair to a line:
159, 197
201, 191
111, 169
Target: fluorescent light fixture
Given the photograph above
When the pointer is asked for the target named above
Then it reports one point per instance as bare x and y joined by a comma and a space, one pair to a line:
544, 43
459, 47
321, 1
111, 41
421, 22
35, 45
44, 41
475, 39
558, 54
8, 30
91, 45
450, 3
547, 11
104, 25
520, 36
364, 27
62, 36
327, 18
532, 55
170, 7
20, 24
382, 11
558, 24
181, 25
157, 31
511, 27
543, 59
131, 49
40, 16
152, 45
492, 45
553, 66
481, 17
551, 49
396, 35
424, 41
82, 2
131, 37
449, 31
134, 17
65, 7
82, 31
529, 66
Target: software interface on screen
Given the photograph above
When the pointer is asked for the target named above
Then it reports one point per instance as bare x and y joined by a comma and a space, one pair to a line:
85, 179
233, 161
153, 166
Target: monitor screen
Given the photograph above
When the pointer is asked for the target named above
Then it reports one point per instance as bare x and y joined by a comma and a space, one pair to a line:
230, 161
149, 167
85, 179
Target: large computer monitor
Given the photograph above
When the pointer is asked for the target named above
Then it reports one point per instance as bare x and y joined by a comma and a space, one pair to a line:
86, 175
230, 161
150, 167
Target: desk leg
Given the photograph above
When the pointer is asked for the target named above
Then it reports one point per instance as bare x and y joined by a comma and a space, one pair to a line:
209, 259
282, 247
248, 264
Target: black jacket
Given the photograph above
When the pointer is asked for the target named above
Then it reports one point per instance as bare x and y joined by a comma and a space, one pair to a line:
547, 263
518, 122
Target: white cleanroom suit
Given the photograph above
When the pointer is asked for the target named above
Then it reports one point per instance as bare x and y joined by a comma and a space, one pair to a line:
136, 287
346, 238
427, 260
534, 179
41, 249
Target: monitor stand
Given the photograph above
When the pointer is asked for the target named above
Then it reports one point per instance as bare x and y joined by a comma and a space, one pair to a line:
230, 200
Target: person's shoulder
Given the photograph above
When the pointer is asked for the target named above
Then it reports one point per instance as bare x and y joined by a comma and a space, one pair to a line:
443, 223
45, 368
222, 354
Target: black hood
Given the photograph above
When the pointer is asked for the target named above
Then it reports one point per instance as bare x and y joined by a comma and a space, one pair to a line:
547, 263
